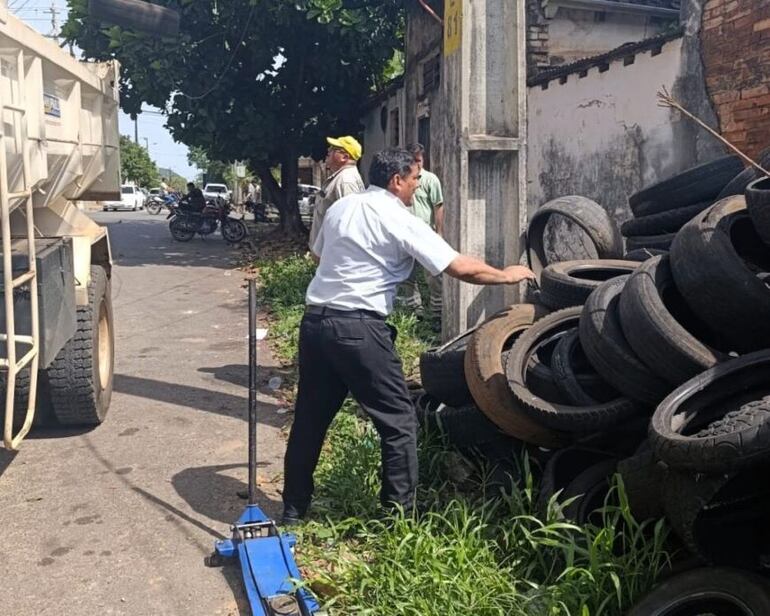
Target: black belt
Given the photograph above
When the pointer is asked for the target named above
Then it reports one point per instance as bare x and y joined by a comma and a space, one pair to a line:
351, 314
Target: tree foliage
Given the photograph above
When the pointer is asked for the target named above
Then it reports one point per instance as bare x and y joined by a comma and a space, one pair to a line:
136, 165
262, 81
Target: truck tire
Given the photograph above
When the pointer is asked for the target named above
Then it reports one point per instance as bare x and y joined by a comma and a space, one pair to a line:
607, 349
660, 327
564, 417
664, 222
717, 591
569, 283
737, 186
716, 259
692, 186
587, 214
486, 380
81, 375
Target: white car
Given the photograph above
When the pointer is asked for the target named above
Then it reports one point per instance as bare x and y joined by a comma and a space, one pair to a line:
131, 198
212, 191
306, 194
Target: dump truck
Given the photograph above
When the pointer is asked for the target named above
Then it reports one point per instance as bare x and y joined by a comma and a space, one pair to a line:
59, 148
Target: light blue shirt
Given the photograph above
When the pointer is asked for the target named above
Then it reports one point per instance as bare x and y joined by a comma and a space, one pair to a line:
367, 246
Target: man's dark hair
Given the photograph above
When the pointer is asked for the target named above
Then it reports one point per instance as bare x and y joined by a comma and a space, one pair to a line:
388, 163
189, 184
416, 148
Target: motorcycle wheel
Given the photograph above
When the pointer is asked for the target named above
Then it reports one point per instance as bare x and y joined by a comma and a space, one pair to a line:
234, 231
181, 231
153, 208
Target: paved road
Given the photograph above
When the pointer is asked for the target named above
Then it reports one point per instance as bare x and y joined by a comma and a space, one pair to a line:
117, 520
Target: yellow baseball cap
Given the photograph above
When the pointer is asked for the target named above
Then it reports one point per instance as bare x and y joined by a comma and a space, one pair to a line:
347, 143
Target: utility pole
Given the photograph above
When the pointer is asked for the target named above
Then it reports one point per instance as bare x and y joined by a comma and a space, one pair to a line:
54, 12
136, 129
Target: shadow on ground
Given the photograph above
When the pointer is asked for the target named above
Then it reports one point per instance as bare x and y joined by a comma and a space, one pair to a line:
196, 398
212, 493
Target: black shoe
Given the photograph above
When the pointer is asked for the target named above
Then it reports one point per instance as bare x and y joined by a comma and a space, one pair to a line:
290, 520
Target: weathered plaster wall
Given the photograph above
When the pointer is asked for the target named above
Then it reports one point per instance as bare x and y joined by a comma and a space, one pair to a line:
603, 136
736, 55
574, 34
376, 137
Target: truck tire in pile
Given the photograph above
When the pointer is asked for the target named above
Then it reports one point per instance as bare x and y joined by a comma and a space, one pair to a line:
692, 186
660, 327
606, 347
737, 186
716, 259
81, 375
570, 283
485, 374
558, 416
587, 214
720, 591
718, 421
669, 221
442, 371
575, 378
642, 254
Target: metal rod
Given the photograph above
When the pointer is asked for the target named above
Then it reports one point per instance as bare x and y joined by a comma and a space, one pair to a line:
252, 392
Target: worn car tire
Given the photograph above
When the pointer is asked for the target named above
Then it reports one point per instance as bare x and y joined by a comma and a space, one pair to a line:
715, 260
733, 390
643, 477
575, 378
737, 186
570, 283
442, 371
486, 378
717, 591
587, 214
606, 347
758, 205
562, 468
692, 186
466, 426
642, 254
589, 491
721, 518
553, 414
659, 326
81, 374
650, 242
669, 221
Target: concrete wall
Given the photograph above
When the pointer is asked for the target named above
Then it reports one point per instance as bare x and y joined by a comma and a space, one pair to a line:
602, 134
736, 56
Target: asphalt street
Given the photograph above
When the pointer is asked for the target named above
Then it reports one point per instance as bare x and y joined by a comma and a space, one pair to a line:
118, 519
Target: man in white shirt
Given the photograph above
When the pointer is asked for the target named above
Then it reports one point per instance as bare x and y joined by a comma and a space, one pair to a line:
366, 248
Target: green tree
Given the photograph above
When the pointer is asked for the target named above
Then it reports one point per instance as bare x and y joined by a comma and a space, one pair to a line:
136, 165
212, 170
263, 82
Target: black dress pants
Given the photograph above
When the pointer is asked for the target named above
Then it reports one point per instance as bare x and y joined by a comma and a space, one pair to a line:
350, 353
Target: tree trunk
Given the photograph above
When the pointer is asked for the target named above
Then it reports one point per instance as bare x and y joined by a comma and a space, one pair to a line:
285, 194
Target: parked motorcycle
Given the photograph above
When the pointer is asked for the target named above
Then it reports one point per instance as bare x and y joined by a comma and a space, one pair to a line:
184, 223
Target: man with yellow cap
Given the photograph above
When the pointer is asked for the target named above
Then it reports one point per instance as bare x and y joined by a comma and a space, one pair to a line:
344, 180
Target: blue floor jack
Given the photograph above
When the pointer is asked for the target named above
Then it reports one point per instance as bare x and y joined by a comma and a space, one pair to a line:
270, 574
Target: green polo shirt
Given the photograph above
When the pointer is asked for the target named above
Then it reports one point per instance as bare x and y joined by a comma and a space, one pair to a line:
427, 197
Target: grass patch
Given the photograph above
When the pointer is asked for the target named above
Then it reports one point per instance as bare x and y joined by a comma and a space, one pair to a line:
472, 549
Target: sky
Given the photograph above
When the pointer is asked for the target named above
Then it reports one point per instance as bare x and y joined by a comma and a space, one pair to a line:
152, 134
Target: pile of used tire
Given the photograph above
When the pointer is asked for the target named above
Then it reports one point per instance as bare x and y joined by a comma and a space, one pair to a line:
655, 366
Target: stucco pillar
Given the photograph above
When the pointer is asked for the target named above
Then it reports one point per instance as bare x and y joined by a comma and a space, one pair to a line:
483, 141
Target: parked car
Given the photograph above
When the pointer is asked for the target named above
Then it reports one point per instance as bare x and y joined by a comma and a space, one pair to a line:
306, 194
131, 198
212, 191
155, 192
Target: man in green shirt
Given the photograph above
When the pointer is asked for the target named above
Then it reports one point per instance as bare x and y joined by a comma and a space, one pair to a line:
428, 206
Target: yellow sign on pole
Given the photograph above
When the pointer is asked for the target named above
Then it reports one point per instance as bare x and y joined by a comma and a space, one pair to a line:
453, 25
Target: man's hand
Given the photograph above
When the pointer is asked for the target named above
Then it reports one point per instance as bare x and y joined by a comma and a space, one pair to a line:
516, 273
